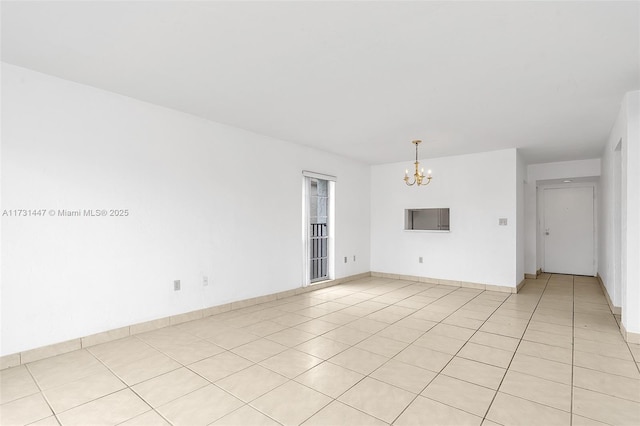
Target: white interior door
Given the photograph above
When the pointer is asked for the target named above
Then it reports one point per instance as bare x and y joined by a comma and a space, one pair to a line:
569, 230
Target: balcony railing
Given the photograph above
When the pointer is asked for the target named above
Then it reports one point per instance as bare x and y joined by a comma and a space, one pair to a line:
318, 250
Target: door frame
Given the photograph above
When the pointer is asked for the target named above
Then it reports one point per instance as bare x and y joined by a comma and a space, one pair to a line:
306, 253
541, 225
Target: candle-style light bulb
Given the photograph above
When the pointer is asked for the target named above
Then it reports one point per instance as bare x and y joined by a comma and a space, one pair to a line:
429, 172
406, 173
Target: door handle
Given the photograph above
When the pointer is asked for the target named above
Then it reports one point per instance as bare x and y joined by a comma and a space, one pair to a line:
546, 232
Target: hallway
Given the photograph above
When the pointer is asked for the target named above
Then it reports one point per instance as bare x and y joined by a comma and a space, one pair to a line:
374, 351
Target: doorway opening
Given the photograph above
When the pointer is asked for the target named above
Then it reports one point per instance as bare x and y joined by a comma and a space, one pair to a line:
318, 227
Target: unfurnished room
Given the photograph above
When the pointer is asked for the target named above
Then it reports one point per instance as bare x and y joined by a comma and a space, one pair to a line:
320, 213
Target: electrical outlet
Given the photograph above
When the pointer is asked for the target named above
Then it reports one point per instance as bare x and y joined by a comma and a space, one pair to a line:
420, 259
176, 285
205, 281
345, 259
502, 221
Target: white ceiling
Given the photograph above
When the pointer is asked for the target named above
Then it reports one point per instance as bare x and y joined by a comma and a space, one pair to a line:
361, 79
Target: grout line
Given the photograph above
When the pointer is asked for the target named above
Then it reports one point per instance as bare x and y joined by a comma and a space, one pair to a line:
458, 351
372, 334
516, 350
423, 333
455, 292
123, 382
293, 379
53, 412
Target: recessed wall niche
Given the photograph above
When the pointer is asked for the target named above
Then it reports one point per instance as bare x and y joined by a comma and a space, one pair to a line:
427, 219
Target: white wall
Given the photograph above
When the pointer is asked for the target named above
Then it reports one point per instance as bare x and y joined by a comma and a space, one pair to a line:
542, 172
564, 169
521, 176
531, 249
479, 189
620, 210
622, 278
631, 215
609, 249
203, 199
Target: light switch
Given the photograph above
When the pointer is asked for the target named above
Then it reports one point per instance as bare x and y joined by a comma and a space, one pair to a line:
502, 221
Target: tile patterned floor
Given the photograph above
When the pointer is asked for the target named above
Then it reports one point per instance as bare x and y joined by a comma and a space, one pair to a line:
369, 352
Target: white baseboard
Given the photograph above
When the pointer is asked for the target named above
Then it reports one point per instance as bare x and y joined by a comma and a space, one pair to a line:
465, 284
617, 310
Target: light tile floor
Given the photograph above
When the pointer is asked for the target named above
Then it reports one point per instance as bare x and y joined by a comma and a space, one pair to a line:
369, 352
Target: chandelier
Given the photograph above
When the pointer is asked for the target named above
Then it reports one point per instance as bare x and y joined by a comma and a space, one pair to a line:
418, 176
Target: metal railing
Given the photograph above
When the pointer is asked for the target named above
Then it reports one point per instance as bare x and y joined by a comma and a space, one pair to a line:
318, 241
